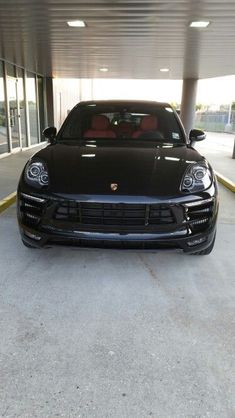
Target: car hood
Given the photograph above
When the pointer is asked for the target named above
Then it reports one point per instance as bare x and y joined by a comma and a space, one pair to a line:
144, 169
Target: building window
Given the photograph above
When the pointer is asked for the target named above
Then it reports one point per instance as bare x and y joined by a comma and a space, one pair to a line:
11, 71
12, 96
32, 107
22, 108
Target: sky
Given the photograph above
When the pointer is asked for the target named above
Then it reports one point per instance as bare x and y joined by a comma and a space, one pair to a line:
214, 91
220, 90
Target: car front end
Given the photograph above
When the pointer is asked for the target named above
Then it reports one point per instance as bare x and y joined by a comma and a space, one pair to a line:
186, 222
118, 192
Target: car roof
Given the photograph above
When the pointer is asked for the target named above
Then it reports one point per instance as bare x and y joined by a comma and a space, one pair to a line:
123, 102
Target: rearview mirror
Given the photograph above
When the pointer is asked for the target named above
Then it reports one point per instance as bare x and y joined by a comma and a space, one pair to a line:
196, 135
50, 134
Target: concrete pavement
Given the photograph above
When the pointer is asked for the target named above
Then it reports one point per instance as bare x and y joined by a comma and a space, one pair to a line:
110, 334
218, 149
11, 168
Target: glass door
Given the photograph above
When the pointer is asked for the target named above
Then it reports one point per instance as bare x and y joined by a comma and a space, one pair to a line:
13, 112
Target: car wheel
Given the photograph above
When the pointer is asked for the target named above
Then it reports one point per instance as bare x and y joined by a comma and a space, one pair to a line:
207, 250
28, 245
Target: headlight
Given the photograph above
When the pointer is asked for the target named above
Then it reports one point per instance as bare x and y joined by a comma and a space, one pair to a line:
36, 174
197, 177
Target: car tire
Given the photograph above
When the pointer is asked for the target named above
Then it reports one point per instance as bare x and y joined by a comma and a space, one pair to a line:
28, 245
207, 250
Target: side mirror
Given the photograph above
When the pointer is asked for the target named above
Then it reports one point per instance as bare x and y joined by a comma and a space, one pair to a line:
196, 135
50, 134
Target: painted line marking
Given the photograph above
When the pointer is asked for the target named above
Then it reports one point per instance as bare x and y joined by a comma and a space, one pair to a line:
7, 201
226, 182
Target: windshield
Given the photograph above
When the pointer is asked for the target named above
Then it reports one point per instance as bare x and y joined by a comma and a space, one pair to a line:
115, 121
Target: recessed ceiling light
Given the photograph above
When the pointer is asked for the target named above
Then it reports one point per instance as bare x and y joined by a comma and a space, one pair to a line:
104, 70
164, 70
199, 24
76, 23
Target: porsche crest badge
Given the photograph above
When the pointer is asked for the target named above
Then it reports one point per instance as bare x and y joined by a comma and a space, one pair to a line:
114, 186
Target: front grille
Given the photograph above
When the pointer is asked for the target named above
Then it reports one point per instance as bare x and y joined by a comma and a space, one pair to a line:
194, 216
31, 209
199, 215
119, 244
109, 214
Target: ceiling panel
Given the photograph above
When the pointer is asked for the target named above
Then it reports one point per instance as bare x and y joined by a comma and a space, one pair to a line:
133, 38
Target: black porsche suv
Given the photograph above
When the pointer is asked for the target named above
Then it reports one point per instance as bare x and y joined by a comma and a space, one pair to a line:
119, 174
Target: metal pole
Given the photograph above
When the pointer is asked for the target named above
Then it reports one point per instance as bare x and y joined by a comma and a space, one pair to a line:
229, 113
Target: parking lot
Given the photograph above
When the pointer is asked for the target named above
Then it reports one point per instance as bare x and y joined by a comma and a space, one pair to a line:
88, 333
116, 96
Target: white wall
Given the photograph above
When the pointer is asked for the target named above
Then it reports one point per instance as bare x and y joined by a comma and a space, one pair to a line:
67, 93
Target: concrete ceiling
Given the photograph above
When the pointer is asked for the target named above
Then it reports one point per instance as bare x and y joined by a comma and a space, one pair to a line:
133, 38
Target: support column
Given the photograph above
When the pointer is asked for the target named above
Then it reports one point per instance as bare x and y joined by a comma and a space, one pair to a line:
49, 101
233, 156
188, 103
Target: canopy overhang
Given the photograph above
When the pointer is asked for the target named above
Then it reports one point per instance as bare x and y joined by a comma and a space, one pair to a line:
134, 38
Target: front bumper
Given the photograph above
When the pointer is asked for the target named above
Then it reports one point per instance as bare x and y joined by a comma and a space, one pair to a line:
191, 229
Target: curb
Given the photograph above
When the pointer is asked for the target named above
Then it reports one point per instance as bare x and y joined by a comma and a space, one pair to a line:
225, 181
7, 201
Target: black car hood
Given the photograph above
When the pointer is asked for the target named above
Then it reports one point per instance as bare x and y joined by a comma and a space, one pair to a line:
138, 168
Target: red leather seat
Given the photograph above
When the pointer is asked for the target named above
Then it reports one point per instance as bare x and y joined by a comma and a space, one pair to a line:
148, 123
100, 128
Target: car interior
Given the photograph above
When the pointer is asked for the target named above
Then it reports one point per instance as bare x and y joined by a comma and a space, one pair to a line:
102, 127
104, 122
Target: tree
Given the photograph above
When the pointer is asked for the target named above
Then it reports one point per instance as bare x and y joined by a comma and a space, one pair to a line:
199, 106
